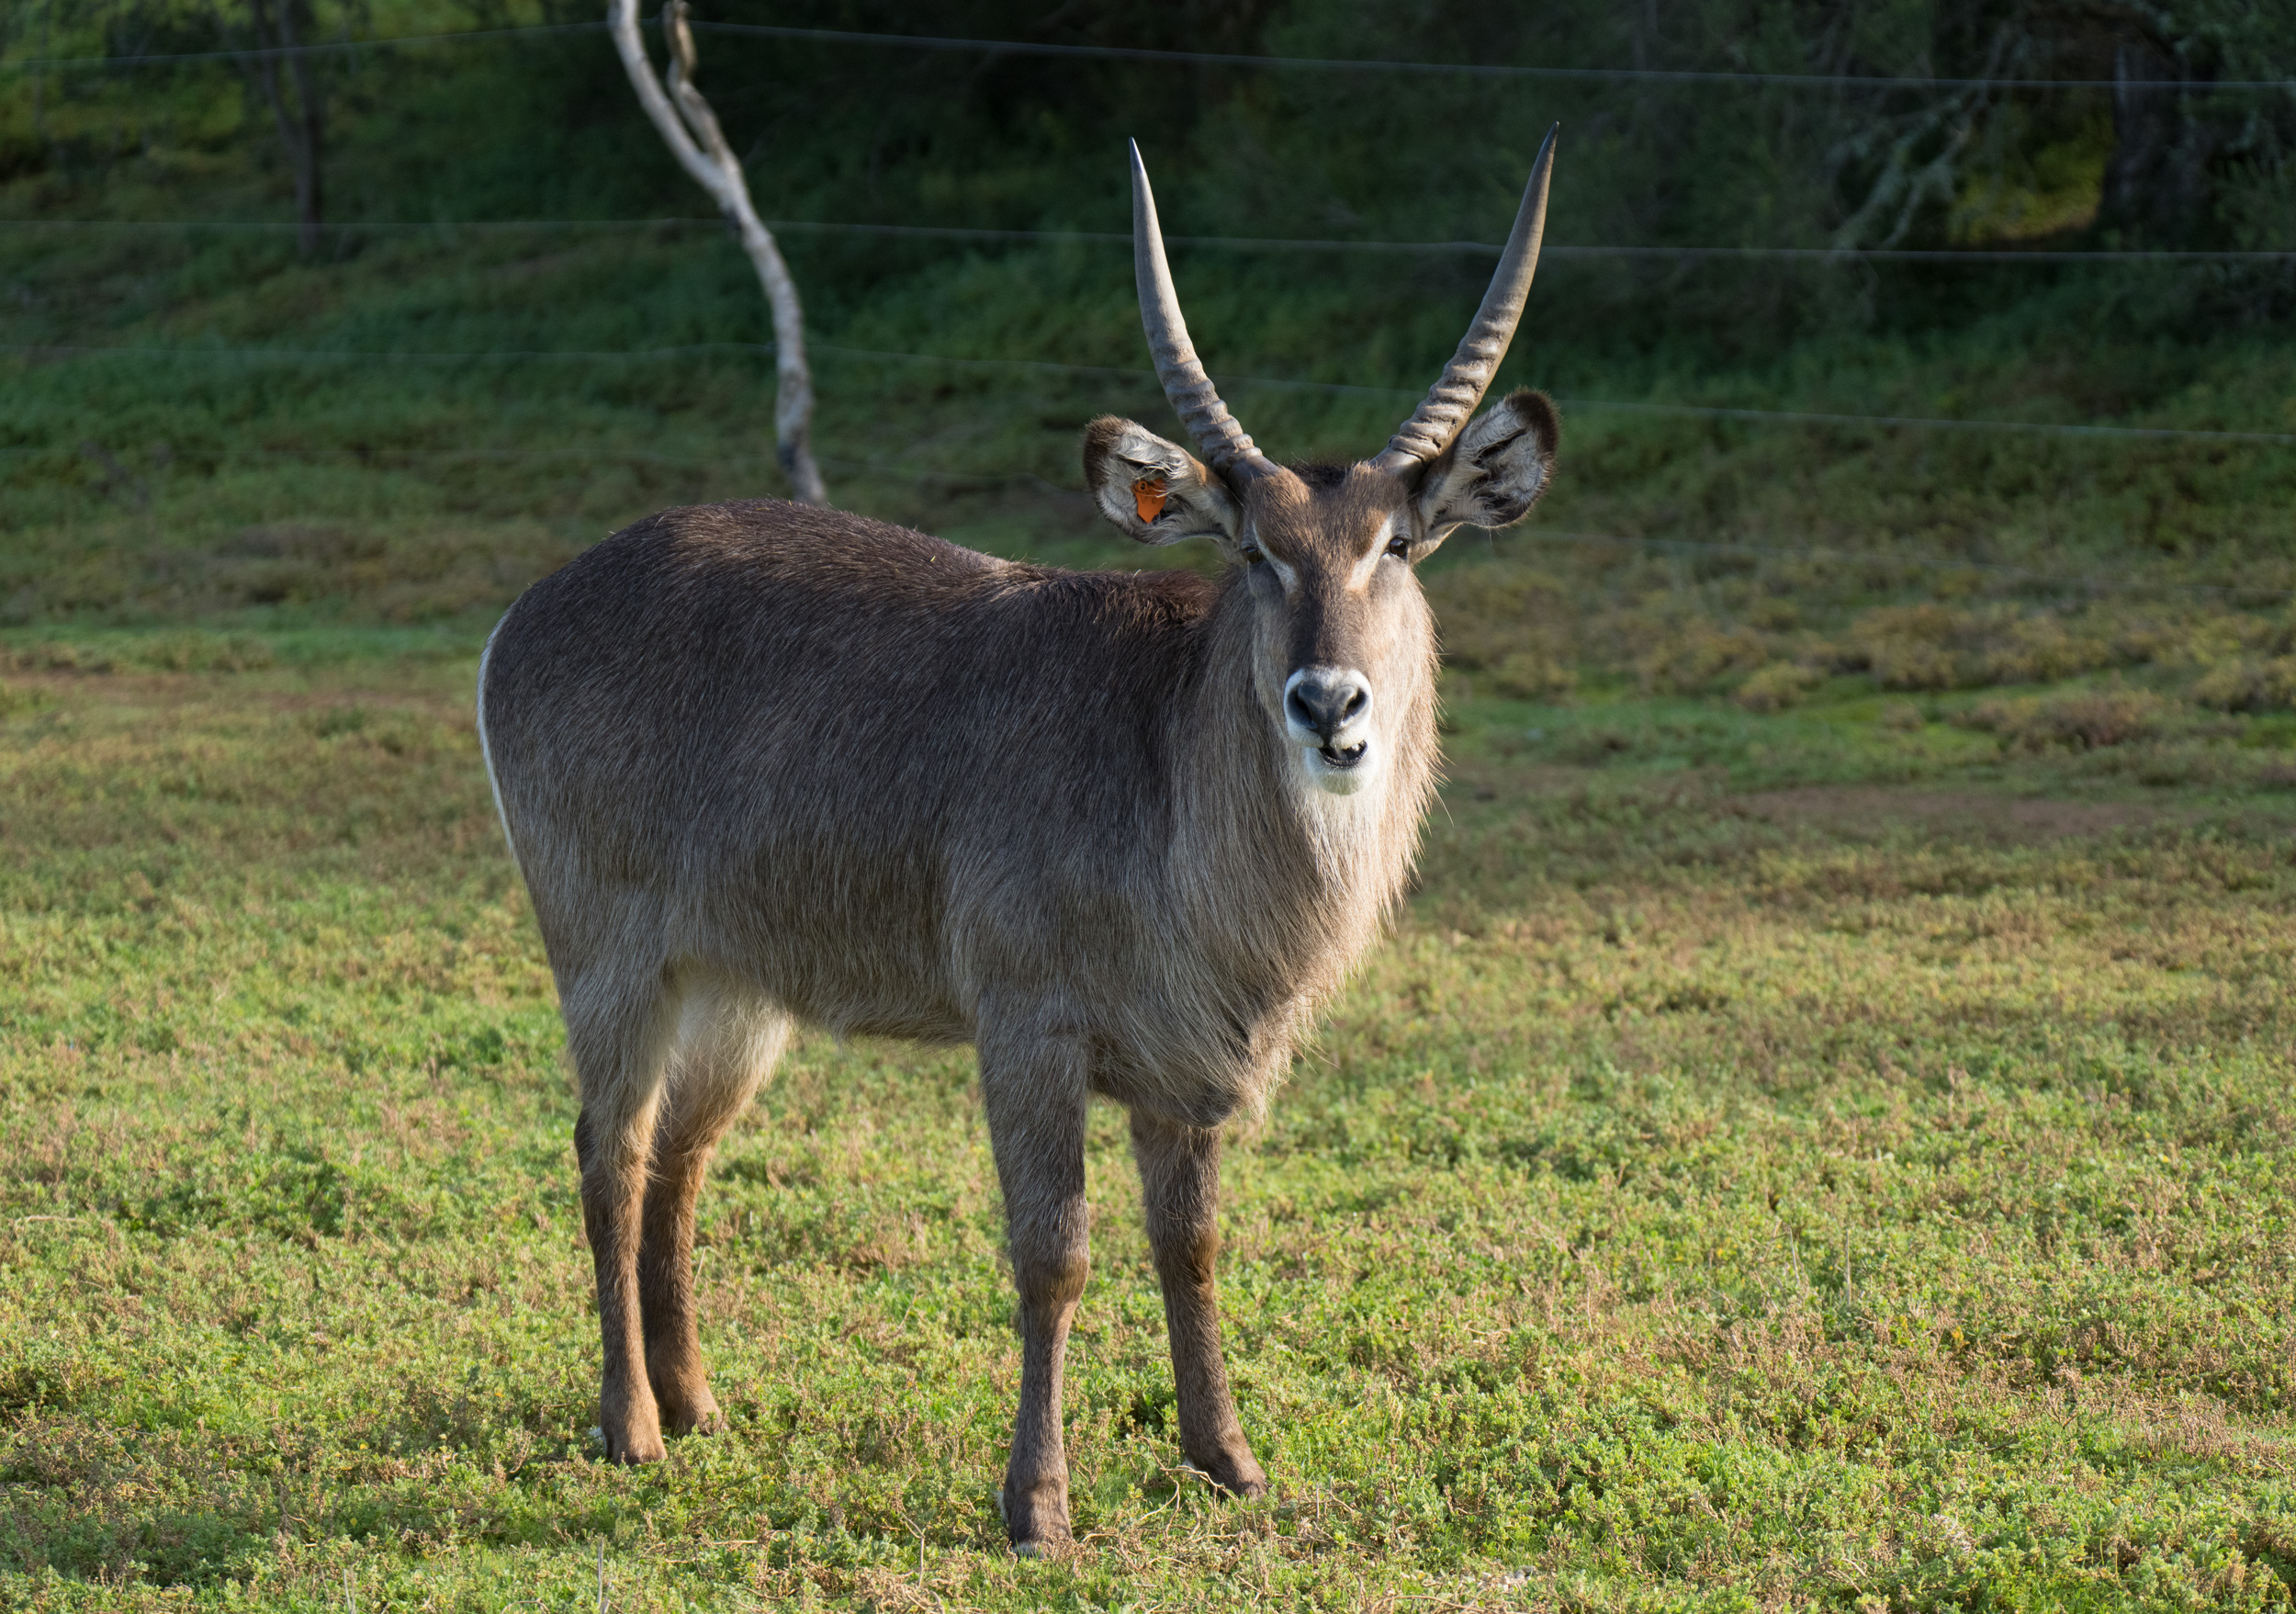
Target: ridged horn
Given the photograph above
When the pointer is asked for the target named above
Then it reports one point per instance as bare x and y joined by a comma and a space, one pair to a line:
1468, 376
1225, 447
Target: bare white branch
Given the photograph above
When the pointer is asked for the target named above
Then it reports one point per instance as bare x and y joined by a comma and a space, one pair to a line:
691, 131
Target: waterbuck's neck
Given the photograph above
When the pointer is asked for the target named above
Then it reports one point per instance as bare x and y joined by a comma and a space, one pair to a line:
1293, 880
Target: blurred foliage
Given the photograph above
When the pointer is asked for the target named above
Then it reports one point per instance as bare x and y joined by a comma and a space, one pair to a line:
544, 125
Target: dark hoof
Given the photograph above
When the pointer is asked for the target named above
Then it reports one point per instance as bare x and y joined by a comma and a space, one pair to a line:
1043, 1538
631, 1439
1239, 1477
633, 1452
703, 1418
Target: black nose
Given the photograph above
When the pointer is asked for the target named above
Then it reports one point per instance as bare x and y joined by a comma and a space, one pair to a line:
1327, 700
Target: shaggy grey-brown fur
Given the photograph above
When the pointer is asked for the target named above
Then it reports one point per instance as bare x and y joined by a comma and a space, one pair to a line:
763, 763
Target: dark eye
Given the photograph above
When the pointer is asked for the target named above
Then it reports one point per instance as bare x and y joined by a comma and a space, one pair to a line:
1399, 549
1252, 555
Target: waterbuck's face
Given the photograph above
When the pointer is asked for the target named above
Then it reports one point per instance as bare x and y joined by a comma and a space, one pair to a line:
1342, 638
1342, 641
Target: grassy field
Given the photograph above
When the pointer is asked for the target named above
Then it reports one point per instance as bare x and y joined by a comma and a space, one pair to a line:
1838, 1155
1820, 1137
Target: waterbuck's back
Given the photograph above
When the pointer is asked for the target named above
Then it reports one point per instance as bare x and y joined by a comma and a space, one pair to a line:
867, 773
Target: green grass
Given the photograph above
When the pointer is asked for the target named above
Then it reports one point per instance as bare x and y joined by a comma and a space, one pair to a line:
1800, 1159
1819, 1135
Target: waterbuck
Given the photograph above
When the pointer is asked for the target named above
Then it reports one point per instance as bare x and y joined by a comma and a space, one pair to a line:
1123, 831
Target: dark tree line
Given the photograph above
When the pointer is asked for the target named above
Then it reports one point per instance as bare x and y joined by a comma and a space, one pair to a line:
2174, 156
2180, 129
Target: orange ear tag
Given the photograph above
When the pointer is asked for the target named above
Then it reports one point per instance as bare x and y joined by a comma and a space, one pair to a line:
1148, 494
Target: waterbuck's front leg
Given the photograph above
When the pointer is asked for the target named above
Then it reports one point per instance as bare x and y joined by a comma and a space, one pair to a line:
1179, 1180
1033, 1088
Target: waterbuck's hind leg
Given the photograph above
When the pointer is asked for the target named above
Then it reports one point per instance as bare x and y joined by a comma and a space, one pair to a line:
1179, 1179
1033, 1087
725, 1047
617, 1032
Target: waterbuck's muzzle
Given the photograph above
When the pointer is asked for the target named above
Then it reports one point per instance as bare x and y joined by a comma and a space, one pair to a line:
1328, 710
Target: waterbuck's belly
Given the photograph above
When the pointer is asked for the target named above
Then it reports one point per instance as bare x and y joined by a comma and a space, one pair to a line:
893, 941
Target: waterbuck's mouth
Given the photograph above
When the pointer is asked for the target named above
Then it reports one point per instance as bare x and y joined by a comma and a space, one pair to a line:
1343, 756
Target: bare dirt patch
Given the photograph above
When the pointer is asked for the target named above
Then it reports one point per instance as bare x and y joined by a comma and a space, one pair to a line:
1866, 809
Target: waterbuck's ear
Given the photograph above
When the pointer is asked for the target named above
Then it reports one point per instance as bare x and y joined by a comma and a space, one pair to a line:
1153, 491
1494, 470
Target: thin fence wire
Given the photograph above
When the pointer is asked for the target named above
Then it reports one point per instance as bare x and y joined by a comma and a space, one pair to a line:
1470, 70
388, 458
1909, 561
1936, 422
1126, 373
316, 48
1530, 537
1834, 81
1821, 255
976, 481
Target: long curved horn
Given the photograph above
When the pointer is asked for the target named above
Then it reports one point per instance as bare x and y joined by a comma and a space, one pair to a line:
1193, 397
1453, 398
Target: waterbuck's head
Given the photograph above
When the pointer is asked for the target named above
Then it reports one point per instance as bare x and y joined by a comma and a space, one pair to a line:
1342, 638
